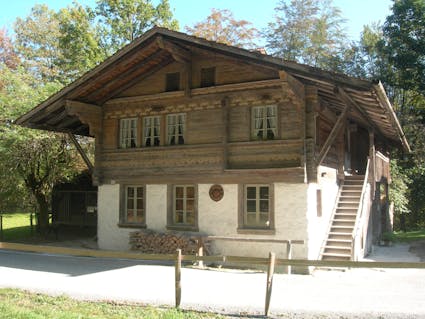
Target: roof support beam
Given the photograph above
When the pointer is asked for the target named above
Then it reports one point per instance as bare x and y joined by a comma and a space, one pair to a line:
349, 101
127, 74
89, 114
137, 79
178, 53
82, 153
333, 135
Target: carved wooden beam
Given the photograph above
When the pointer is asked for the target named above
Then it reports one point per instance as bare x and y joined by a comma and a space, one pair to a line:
82, 153
89, 114
333, 135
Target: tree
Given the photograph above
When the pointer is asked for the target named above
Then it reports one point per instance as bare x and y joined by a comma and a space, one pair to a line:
31, 162
79, 41
8, 55
122, 21
307, 31
37, 43
221, 26
404, 46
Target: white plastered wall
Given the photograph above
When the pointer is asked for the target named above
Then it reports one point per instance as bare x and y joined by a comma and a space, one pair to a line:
214, 218
318, 225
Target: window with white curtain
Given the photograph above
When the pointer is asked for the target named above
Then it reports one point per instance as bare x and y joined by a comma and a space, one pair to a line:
176, 128
128, 133
151, 131
264, 122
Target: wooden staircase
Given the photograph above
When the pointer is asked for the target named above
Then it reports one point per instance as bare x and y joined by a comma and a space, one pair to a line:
338, 245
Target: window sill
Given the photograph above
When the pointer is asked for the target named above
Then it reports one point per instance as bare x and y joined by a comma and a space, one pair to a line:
129, 225
257, 231
183, 228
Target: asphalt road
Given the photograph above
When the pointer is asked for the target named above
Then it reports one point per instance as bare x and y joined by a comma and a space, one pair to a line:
357, 293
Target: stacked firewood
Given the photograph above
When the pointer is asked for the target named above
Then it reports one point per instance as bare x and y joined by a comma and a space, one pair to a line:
150, 242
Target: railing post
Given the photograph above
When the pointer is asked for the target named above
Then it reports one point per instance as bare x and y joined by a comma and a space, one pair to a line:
178, 268
288, 256
270, 272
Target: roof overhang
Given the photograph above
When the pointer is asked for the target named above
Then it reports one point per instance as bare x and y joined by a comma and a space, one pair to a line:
159, 47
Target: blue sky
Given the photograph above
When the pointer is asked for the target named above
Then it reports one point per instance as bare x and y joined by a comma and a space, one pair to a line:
357, 12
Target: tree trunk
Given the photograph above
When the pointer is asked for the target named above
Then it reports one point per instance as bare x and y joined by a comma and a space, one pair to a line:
43, 213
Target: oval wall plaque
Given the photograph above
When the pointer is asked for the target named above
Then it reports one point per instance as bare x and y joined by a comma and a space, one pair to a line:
216, 192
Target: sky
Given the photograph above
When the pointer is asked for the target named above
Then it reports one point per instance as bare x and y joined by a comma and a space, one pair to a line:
188, 12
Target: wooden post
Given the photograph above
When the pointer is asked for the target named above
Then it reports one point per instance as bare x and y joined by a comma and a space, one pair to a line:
31, 224
270, 272
288, 255
200, 252
1, 227
178, 268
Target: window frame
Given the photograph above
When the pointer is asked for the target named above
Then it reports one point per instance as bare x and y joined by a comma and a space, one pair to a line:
171, 216
152, 135
205, 81
243, 226
264, 119
125, 140
124, 206
176, 125
172, 82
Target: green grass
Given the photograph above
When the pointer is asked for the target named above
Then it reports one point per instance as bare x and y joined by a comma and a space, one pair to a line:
19, 304
16, 226
410, 236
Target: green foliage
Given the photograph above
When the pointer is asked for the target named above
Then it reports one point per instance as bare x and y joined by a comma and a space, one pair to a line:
123, 21
221, 26
307, 31
409, 236
19, 304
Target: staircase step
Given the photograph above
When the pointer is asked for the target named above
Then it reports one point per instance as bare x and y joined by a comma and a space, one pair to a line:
339, 242
354, 177
347, 216
337, 250
340, 220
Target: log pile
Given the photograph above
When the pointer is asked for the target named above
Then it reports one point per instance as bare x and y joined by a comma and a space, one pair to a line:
151, 242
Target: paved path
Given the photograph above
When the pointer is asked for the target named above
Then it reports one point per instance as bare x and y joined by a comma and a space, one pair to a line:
373, 293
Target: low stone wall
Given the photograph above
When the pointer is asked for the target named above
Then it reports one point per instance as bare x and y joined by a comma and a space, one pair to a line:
151, 242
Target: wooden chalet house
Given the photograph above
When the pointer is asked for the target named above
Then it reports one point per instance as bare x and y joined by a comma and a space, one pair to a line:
200, 137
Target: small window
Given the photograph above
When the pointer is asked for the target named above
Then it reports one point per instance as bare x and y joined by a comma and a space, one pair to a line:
134, 212
257, 206
264, 122
175, 128
172, 82
128, 133
207, 77
184, 208
151, 131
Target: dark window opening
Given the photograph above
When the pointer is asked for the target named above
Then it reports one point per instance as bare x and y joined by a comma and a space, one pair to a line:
207, 77
172, 82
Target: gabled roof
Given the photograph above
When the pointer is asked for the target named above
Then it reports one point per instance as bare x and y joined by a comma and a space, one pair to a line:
159, 47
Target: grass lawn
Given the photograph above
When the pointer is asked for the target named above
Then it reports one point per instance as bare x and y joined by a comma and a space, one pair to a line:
16, 226
19, 304
410, 236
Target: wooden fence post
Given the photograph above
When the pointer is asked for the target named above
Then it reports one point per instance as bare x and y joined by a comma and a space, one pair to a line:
31, 224
288, 255
178, 268
200, 252
1, 227
270, 272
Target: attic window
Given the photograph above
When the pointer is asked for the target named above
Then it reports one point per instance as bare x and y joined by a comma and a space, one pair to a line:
172, 82
207, 77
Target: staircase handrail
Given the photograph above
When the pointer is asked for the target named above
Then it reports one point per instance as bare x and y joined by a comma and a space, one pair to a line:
359, 214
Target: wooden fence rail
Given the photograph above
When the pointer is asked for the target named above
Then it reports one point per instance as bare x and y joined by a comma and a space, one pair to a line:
178, 258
